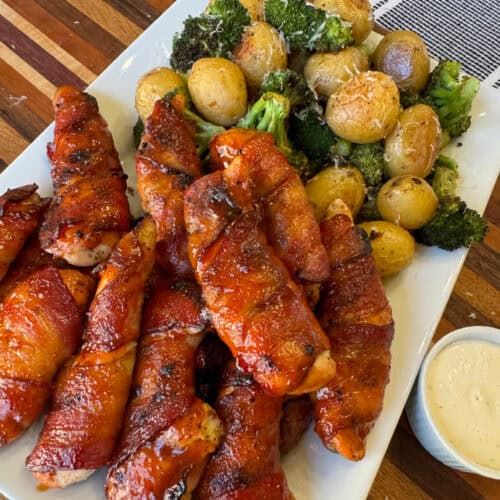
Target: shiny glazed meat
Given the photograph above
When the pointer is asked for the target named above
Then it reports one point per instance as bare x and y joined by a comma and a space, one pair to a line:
21, 211
41, 324
289, 219
255, 306
92, 390
166, 164
168, 432
355, 313
246, 466
89, 211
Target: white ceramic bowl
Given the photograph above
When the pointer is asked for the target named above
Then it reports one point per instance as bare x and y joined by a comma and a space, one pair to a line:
419, 415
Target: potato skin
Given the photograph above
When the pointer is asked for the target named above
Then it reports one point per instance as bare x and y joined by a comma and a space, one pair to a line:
261, 51
408, 201
325, 72
358, 12
413, 146
333, 183
403, 55
218, 90
154, 85
392, 246
364, 109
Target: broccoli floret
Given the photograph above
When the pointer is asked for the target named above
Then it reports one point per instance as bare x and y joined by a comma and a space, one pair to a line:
445, 177
290, 84
303, 26
451, 96
213, 34
138, 131
454, 226
369, 159
409, 98
310, 133
269, 114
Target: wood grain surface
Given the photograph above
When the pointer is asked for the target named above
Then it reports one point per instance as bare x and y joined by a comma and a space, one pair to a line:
44, 43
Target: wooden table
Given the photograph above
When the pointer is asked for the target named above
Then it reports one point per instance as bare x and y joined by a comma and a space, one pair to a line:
44, 43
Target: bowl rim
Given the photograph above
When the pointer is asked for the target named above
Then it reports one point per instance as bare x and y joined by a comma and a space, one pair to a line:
485, 333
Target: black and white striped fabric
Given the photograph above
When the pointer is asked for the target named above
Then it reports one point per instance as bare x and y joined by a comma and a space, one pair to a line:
465, 30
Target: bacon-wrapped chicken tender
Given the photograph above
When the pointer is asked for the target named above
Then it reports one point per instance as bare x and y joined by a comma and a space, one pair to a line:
89, 400
168, 432
356, 315
289, 219
21, 211
247, 465
89, 212
255, 306
41, 324
166, 164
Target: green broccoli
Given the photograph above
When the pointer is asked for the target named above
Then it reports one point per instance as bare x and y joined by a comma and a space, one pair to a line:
269, 114
213, 34
290, 84
409, 98
445, 177
304, 26
138, 131
451, 96
454, 226
310, 133
369, 159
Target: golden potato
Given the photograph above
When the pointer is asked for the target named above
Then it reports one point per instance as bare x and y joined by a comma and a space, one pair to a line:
261, 51
155, 85
218, 90
408, 201
404, 56
413, 146
364, 109
255, 8
334, 183
358, 12
325, 72
392, 246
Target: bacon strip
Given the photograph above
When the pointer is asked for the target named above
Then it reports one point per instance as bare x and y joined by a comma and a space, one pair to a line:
89, 211
255, 306
21, 211
246, 466
166, 164
89, 400
357, 317
168, 432
289, 219
40, 327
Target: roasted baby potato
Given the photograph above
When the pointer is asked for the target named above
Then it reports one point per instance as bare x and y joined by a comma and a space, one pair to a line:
155, 85
358, 12
403, 55
262, 50
364, 109
413, 146
334, 183
392, 246
325, 72
408, 201
218, 90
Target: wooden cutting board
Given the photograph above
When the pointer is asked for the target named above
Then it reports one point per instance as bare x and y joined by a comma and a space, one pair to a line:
44, 43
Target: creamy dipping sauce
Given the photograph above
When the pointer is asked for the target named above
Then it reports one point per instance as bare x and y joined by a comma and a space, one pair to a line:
463, 395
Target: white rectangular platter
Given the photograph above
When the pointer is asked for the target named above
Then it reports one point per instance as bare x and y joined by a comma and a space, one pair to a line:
418, 296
